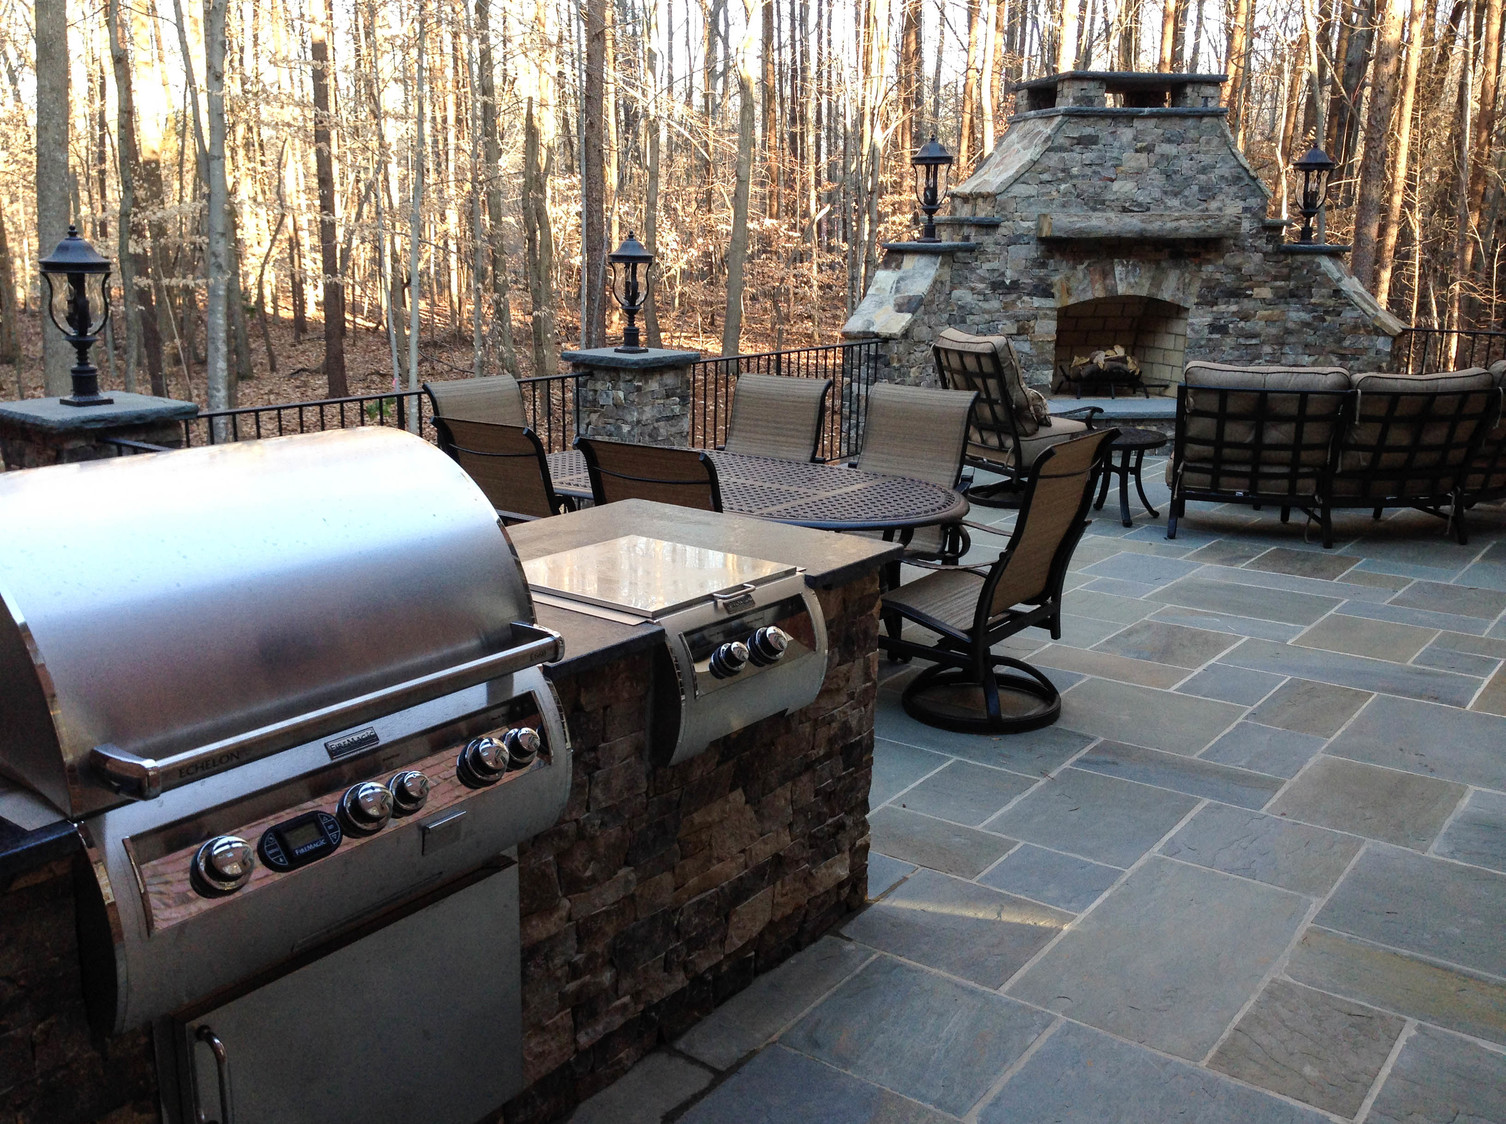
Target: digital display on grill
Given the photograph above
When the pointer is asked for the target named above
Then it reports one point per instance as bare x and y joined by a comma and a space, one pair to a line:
301, 835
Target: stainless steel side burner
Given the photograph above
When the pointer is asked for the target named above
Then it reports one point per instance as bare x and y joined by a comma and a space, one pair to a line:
745, 637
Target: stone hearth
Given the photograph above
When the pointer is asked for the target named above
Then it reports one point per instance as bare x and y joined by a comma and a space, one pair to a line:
1117, 209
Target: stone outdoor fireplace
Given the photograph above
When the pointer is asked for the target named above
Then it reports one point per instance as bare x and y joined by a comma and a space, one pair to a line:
1117, 210
1152, 330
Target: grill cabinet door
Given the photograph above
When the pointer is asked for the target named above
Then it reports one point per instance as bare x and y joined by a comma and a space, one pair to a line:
419, 1021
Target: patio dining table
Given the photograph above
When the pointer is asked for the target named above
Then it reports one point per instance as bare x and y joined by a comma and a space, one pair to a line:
827, 497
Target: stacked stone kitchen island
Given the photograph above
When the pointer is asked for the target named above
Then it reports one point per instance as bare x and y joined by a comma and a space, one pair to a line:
664, 890
661, 891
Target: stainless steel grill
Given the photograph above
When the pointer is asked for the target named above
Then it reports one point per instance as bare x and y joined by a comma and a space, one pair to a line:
291, 693
744, 636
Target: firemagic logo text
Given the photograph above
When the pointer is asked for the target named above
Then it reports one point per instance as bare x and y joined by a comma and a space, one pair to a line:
211, 765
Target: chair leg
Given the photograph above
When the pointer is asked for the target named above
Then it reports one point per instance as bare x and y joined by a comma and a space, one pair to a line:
1174, 512
932, 697
1325, 519
1286, 515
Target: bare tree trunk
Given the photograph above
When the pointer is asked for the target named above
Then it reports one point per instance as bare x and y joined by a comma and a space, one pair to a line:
324, 166
965, 148
1239, 69
737, 250
911, 78
500, 289
52, 170
416, 218
593, 234
770, 126
654, 128
985, 76
1481, 153
10, 340
218, 259
125, 125
1066, 48
538, 244
295, 279
1374, 169
1171, 18
1391, 227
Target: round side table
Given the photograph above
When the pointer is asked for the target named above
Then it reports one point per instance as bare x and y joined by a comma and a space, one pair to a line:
1132, 444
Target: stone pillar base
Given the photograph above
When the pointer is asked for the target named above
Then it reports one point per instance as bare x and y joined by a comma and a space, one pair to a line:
642, 397
43, 431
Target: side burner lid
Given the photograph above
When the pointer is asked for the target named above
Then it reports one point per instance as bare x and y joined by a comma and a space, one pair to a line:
647, 576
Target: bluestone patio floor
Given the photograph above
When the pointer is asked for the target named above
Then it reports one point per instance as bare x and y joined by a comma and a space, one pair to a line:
1255, 873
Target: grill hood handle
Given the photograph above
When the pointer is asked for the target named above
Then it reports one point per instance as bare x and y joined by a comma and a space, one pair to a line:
145, 778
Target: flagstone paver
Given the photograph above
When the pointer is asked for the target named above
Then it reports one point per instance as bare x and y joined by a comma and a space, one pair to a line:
1169, 958
1311, 1046
1265, 848
872, 1025
1379, 803
969, 931
1268, 887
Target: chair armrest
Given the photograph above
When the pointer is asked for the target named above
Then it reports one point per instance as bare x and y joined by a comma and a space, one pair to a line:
981, 571
1082, 413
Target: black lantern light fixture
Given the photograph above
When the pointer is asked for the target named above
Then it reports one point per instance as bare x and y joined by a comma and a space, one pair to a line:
930, 192
1315, 168
78, 283
628, 289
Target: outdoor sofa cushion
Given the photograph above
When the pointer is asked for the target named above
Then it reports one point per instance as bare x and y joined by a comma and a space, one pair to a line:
1425, 450
1487, 474
1239, 468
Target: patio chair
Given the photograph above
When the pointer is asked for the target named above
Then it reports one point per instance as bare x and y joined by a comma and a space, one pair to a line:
508, 463
623, 471
496, 398
1012, 424
972, 608
777, 416
919, 432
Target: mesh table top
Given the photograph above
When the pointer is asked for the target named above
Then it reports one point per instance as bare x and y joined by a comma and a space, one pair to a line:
829, 497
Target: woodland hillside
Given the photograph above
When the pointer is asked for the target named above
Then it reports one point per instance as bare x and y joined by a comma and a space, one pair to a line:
383, 192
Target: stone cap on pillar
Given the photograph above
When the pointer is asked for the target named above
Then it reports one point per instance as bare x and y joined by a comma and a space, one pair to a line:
50, 415
646, 360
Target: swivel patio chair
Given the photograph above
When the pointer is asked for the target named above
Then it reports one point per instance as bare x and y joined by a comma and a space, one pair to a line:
1011, 426
623, 471
496, 398
972, 608
777, 416
919, 432
508, 463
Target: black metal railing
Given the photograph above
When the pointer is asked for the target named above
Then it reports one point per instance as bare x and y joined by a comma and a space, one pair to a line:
852, 366
552, 403
397, 409
1420, 350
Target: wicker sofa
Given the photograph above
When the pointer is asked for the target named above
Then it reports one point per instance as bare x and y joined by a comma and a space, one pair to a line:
1318, 438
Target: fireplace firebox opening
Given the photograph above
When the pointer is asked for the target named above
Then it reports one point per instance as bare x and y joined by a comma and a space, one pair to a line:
1154, 331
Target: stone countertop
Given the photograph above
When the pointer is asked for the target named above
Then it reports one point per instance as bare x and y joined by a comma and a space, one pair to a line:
32, 833
126, 409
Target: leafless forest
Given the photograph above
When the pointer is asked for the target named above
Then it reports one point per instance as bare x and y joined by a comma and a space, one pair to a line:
311, 197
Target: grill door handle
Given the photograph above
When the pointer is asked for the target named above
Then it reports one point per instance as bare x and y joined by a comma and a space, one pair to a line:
222, 1077
145, 778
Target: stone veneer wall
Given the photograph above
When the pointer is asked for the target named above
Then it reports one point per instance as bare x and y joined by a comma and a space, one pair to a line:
664, 890
51, 1070
1135, 182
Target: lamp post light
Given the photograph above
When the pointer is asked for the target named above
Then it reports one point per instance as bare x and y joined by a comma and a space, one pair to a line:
929, 190
78, 281
1315, 167
627, 289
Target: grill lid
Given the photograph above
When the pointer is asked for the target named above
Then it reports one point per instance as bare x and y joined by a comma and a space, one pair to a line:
237, 597
650, 577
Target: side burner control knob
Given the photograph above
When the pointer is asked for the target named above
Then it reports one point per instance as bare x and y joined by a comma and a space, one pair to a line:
522, 746
729, 659
410, 791
482, 762
365, 808
768, 645
222, 866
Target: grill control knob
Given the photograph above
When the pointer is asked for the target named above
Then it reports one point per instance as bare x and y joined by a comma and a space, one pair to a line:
410, 791
365, 808
522, 746
482, 762
222, 866
729, 659
768, 645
